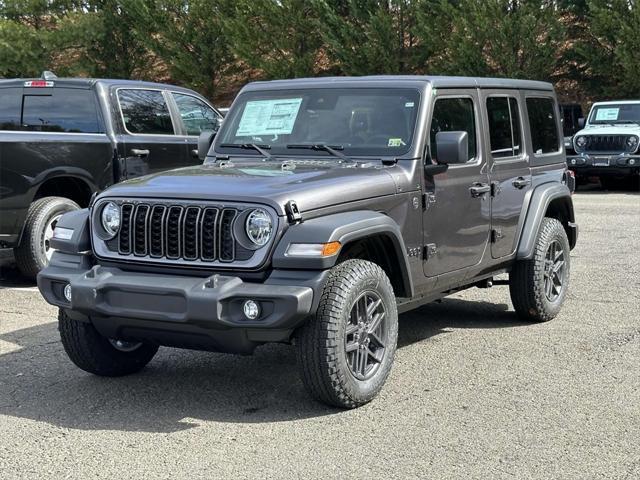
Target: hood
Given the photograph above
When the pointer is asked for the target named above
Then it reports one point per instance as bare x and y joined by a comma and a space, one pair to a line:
311, 186
621, 129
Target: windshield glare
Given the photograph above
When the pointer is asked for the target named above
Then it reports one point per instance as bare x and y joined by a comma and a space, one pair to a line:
616, 113
357, 121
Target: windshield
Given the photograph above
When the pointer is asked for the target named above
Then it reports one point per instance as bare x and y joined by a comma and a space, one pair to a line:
616, 113
353, 121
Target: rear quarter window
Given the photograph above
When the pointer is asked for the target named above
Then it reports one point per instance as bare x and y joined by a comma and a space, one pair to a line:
67, 110
544, 125
10, 100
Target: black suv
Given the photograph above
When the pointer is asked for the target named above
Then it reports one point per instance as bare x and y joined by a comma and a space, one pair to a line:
62, 139
323, 209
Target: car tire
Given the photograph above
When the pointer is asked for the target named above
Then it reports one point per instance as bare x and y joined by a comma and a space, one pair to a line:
539, 285
346, 350
99, 355
33, 253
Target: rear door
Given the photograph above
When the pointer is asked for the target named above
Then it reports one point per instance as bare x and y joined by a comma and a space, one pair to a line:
510, 173
150, 140
195, 116
456, 219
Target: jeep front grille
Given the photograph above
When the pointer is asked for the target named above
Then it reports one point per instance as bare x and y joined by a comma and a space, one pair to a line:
605, 143
176, 232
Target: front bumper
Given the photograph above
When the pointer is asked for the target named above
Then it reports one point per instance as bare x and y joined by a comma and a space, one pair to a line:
586, 165
181, 311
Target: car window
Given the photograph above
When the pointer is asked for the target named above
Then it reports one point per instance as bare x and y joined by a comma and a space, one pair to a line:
505, 134
10, 99
542, 119
145, 112
196, 115
453, 115
69, 110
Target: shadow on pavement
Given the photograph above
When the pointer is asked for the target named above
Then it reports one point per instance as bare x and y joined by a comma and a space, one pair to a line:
180, 388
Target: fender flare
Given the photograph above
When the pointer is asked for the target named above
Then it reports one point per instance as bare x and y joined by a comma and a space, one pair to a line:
541, 198
345, 228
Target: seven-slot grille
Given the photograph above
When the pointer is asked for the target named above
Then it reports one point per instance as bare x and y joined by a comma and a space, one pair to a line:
606, 143
177, 232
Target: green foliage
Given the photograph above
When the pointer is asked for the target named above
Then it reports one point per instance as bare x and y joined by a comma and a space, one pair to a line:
608, 55
279, 38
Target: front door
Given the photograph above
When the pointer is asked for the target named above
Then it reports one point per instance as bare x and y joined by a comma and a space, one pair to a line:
456, 218
510, 172
150, 142
196, 116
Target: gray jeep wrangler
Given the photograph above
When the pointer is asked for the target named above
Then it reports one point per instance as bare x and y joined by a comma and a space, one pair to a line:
322, 210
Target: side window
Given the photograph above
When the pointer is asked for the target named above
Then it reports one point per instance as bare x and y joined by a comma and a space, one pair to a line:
451, 115
69, 110
505, 135
145, 112
10, 108
196, 115
542, 119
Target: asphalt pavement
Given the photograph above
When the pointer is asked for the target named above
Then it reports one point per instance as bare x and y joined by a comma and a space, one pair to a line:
474, 393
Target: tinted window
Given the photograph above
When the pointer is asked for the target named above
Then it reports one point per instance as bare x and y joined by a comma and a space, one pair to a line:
10, 99
61, 110
453, 115
196, 115
504, 127
542, 119
145, 111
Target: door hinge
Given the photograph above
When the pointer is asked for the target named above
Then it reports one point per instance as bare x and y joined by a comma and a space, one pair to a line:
293, 212
428, 199
496, 234
429, 251
495, 188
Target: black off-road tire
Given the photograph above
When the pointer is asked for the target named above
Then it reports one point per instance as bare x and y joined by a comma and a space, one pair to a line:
527, 279
320, 343
95, 354
30, 254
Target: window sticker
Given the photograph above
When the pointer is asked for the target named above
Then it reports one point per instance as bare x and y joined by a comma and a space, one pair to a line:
395, 142
604, 114
269, 117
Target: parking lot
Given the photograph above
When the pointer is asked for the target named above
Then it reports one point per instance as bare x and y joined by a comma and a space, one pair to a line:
474, 393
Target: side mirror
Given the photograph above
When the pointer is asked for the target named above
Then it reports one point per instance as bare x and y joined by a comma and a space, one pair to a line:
581, 122
452, 147
204, 143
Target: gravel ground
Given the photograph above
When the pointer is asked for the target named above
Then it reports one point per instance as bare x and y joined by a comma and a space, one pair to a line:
473, 394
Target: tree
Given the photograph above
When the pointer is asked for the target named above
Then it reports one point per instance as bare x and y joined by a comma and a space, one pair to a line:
504, 38
278, 37
607, 55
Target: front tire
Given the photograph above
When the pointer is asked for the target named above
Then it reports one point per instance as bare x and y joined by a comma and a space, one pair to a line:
96, 354
538, 286
345, 352
34, 252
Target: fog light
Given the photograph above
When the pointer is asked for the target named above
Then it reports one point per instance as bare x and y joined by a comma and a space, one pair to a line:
67, 292
251, 309
573, 161
632, 162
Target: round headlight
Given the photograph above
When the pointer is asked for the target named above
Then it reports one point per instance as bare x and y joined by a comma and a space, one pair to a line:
259, 227
632, 142
581, 141
110, 218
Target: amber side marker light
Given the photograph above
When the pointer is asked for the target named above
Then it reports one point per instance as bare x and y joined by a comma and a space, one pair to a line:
313, 249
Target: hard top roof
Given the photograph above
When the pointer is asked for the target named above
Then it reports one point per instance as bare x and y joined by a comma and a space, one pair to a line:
90, 82
403, 80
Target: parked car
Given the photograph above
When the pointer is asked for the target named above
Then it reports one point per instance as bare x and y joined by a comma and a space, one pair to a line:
63, 139
571, 114
607, 146
324, 208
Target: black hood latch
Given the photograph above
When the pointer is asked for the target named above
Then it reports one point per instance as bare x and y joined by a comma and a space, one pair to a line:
293, 212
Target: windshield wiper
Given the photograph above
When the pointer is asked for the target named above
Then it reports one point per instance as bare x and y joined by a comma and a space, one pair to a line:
629, 122
262, 149
332, 149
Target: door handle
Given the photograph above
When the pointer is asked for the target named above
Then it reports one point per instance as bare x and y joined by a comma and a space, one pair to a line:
139, 152
479, 189
521, 182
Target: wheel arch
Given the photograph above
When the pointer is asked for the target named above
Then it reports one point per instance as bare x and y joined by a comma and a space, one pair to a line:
548, 200
366, 235
68, 186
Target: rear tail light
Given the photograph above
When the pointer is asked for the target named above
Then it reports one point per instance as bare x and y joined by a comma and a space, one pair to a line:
38, 84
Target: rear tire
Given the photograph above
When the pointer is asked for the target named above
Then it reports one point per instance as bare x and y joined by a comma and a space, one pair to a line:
538, 286
346, 350
96, 354
33, 253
